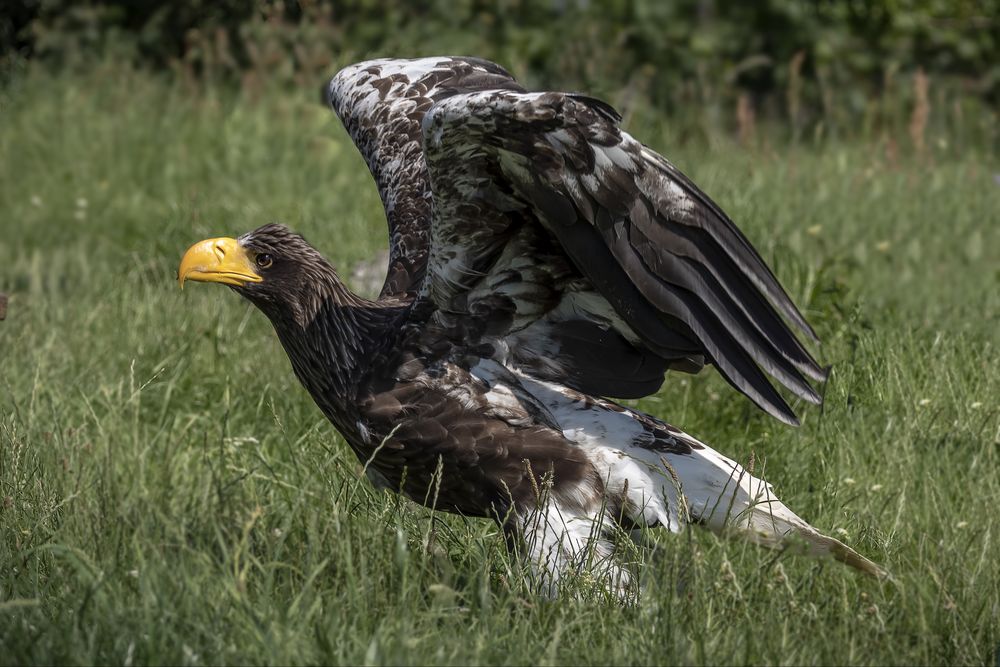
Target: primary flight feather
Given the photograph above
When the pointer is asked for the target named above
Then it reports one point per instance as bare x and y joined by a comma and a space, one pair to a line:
541, 261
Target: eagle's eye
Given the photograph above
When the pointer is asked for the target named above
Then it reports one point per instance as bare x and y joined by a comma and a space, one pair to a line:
264, 260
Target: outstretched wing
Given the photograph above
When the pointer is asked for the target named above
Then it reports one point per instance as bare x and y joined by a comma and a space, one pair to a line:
381, 103
592, 260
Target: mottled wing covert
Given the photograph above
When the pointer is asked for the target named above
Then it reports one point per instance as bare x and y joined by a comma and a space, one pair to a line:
382, 103
674, 268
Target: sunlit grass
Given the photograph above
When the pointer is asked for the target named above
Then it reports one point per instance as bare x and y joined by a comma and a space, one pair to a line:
169, 494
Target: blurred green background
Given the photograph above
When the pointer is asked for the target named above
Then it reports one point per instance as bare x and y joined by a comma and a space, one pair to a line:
840, 67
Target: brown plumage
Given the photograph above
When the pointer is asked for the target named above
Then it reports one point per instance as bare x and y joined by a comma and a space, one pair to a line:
540, 260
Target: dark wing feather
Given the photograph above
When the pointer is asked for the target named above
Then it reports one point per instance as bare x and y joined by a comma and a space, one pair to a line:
736, 244
381, 103
683, 280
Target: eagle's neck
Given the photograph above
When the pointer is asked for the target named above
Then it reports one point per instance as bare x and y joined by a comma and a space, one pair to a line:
331, 339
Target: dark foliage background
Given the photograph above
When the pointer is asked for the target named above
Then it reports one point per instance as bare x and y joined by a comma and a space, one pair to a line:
837, 65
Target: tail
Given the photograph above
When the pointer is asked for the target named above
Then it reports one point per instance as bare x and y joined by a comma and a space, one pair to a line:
698, 484
729, 500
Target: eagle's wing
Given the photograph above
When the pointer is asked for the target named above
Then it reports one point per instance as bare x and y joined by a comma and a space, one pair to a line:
381, 103
593, 261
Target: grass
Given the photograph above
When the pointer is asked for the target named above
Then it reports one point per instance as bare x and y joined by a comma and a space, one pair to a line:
171, 496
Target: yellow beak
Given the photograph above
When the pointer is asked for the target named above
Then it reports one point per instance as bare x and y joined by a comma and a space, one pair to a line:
221, 260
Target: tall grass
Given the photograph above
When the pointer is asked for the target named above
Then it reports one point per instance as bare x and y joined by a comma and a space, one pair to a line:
169, 494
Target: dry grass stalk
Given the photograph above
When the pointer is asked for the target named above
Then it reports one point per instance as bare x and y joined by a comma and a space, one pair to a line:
921, 110
795, 90
745, 119
891, 152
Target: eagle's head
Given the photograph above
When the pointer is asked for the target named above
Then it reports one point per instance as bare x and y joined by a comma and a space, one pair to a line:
272, 267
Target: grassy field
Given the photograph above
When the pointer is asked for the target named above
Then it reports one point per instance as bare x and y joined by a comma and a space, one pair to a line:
170, 495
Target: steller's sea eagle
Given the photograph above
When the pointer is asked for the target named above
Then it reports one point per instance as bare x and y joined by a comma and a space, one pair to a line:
541, 261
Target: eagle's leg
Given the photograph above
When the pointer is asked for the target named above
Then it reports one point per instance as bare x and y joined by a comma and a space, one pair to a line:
566, 545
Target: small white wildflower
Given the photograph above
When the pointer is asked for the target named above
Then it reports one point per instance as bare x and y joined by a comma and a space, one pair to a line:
976, 405
240, 440
876, 487
924, 401
841, 531
36, 200
961, 524
277, 532
849, 481
134, 574
81, 202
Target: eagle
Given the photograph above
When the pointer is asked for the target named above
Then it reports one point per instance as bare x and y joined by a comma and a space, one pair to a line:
542, 264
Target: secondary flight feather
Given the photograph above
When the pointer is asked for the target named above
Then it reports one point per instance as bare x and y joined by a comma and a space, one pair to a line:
542, 261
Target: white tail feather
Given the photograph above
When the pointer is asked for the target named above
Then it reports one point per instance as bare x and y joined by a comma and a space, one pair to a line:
657, 486
728, 499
